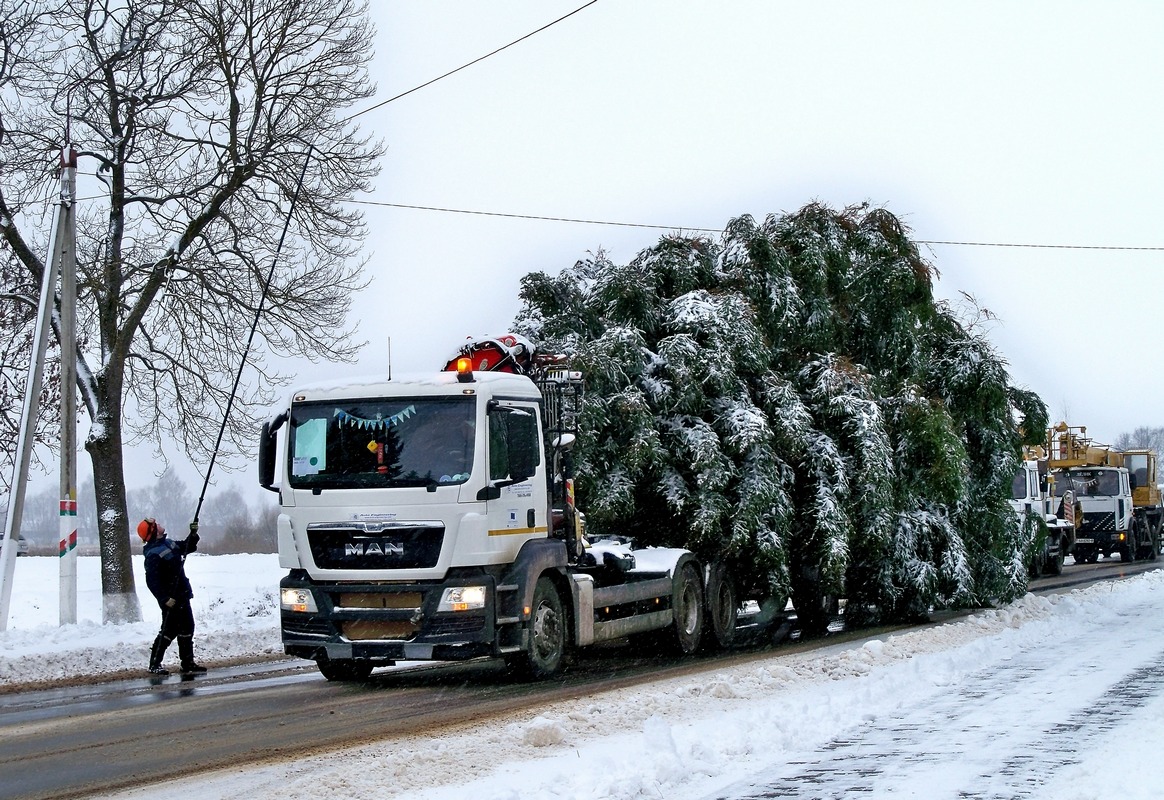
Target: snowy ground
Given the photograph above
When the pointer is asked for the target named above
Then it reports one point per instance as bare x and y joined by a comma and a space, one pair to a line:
1059, 697
235, 610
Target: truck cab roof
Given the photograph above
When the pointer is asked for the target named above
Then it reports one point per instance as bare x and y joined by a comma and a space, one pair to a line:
419, 385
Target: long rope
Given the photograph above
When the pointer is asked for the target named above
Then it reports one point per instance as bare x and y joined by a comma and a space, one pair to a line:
251, 337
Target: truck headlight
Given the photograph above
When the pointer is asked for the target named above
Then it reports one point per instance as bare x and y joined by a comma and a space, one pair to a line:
297, 600
462, 598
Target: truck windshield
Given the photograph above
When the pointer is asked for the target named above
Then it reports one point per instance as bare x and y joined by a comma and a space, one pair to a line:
376, 443
1087, 482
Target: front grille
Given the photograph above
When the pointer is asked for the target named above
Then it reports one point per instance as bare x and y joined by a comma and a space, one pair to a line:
395, 600
374, 546
364, 629
1098, 521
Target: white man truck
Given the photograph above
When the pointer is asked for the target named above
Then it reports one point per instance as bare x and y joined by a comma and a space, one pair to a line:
432, 518
1116, 491
1034, 501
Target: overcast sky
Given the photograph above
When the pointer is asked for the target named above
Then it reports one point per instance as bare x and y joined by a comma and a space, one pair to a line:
992, 122
1019, 123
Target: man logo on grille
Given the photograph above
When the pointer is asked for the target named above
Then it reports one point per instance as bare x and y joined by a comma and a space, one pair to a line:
382, 548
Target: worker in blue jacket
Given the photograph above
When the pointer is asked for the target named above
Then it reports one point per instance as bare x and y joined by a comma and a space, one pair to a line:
165, 571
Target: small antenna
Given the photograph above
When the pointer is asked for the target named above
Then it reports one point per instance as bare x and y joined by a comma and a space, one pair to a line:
389, 358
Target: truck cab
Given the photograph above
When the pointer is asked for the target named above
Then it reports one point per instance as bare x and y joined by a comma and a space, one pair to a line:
1105, 496
1034, 503
431, 518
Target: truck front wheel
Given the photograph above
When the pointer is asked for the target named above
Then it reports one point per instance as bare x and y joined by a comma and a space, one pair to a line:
1128, 548
543, 656
1054, 565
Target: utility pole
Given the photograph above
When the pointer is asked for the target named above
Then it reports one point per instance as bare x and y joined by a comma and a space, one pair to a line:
68, 445
31, 409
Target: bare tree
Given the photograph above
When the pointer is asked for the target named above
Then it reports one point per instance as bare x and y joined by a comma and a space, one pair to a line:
18, 290
1142, 437
197, 118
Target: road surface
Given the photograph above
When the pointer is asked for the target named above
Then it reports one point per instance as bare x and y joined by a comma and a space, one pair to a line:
77, 741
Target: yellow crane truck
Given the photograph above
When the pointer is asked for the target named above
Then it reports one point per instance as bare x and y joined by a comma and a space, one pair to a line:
1116, 491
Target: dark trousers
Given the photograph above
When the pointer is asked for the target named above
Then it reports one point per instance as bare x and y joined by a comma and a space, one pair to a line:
177, 621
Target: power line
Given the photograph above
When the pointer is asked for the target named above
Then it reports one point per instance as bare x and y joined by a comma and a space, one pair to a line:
1038, 246
539, 217
471, 63
543, 218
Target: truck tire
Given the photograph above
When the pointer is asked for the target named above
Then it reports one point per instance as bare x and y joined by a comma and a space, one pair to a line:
721, 608
1128, 550
345, 670
686, 609
547, 635
1054, 565
1038, 562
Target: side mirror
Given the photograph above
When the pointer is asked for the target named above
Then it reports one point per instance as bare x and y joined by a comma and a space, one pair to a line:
268, 441
565, 441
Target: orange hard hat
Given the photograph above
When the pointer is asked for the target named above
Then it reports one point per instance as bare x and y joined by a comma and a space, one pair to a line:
148, 528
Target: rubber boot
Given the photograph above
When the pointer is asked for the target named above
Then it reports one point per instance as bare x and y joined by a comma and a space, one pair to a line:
186, 653
156, 653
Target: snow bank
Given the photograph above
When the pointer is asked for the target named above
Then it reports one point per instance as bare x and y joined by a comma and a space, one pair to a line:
235, 603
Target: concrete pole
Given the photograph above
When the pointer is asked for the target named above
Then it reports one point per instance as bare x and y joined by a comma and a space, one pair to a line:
29, 414
68, 326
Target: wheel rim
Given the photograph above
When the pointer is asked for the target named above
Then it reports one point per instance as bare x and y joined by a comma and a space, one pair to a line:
547, 633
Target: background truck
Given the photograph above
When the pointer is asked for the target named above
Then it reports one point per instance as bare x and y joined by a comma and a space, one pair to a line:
432, 517
1034, 501
1116, 490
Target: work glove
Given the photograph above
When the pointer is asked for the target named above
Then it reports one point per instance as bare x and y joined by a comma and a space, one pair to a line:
171, 603
192, 539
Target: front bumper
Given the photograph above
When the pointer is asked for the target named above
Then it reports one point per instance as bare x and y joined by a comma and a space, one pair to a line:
389, 622
1103, 541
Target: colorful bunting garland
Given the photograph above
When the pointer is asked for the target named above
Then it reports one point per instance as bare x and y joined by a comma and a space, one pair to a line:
378, 424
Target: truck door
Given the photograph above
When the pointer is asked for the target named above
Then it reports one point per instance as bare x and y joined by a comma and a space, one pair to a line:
516, 503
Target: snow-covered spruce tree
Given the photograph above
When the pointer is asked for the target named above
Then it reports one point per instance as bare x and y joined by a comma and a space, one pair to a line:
792, 400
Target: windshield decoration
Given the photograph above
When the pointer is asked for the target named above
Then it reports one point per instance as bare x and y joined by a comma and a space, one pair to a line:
375, 443
380, 423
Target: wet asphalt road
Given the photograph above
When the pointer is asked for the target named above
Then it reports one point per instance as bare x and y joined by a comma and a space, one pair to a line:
75, 741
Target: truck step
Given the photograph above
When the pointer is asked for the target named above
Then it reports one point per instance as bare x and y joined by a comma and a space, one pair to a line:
507, 587
508, 620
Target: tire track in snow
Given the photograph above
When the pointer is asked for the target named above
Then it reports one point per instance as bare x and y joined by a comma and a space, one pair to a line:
950, 745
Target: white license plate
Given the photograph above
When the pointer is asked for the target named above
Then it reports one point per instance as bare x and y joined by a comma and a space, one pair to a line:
1084, 540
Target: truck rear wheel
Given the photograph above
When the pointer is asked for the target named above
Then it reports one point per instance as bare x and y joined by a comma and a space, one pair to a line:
722, 607
345, 670
686, 609
546, 647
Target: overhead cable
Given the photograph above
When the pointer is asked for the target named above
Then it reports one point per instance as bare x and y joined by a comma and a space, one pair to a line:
543, 218
471, 63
